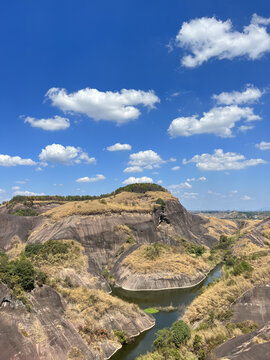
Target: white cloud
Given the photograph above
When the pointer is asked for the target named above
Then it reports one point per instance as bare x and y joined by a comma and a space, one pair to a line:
15, 187
147, 159
222, 161
22, 181
119, 107
133, 169
6, 160
202, 178
65, 155
27, 193
244, 128
210, 192
176, 188
190, 195
119, 147
218, 121
207, 38
86, 179
246, 198
133, 180
172, 159
51, 124
159, 182
175, 168
248, 96
263, 145
2, 191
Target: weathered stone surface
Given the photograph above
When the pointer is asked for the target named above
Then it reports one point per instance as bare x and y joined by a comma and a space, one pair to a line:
255, 306
46, 333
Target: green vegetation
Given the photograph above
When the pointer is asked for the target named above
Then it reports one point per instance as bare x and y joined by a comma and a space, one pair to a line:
121, 337
136, 188
153, 251
25, 212
191, 248
161, 202
130, 240
242, 267
151, 310
139, 188
49, 248
17, 274
169, 340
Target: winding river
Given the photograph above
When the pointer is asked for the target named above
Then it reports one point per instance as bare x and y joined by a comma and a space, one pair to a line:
179, 298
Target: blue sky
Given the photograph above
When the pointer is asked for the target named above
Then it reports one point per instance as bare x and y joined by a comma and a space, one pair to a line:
95, 95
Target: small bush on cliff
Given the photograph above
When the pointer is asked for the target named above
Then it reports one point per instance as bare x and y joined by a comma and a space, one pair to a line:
17, 273
161, 202
242, 267
25, 212
50, 247
153, 251
121, 337
180, 332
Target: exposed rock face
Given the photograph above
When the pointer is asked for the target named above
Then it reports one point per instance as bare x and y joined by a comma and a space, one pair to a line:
46, 333
102, 241
253, 305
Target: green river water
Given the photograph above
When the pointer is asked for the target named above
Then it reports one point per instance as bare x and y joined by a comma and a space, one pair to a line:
179, 298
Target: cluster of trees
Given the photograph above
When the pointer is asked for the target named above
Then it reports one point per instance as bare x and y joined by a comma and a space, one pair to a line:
136, 188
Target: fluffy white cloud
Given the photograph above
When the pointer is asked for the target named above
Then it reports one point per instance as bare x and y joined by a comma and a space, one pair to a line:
248, 96
147, 159
6, 160
2, 191
172, 159
111, 106
15, 187
133, 169
222, 161
27, 193
86, 179
207, 38
133, 180
218, 121
190, 195
263, 145
65, 155
202, 178
51, 124
22, 181
119, 147
159, 182
175, 168
246, 198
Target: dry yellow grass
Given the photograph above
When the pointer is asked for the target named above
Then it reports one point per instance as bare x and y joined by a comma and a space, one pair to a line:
170, 260
220, 296
266, 231
16, 248
216, 227
245, 247
123, 202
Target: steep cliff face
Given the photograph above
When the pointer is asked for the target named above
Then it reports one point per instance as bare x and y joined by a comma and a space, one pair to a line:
49, 332
108, 229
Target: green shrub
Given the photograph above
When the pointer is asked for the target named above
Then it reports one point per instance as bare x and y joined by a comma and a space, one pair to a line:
130, 240
198, 250
242, 267
153, 251
25, 212
17, 273
50, 247
161, 202
121, 337
180, 332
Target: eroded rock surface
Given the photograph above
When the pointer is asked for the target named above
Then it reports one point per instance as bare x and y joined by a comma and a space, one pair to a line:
255, 306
